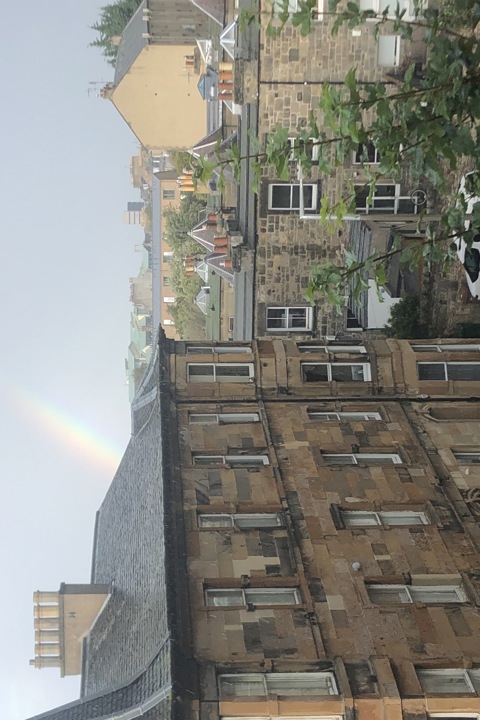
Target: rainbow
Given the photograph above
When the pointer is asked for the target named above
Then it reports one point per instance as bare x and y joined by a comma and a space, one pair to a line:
78, 438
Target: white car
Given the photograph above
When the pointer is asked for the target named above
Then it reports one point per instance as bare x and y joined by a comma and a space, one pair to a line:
470, 256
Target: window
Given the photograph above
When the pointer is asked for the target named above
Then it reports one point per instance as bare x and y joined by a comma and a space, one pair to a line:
167, 321
168, 193
455, 411
244, 521
366, 458
412, 7
340, 372
445, 348
311, 148
293, 7
337, 349
167, 256
286, 196
388, 53
252, 596
223, 418
367, 154
169, 299
367, 518
448, 371
386, 199
344, 415
451, 681
428, 594
167, 280
284, 319
209, 349
467, 458
231, 460
264, 684
220, 372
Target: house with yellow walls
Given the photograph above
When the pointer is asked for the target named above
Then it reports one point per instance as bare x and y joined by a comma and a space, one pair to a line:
156, 74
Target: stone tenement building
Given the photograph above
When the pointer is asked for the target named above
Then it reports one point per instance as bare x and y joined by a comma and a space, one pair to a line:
277, 82
292, 533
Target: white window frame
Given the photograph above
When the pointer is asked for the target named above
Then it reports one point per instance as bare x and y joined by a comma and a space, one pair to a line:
217, 377
356, 156
248, 596
381, 41
307, 208
169, 299
452, 716
444, 347
315, 149
368, 209
342, 416
377, 5
303, 717
168, 194
288, 312
382, 518
223, 418
446, 365
333, 349
450, 672
230, 460
217, 349
242, 521
264, 682
293, 7
411, 594
357, 458
366, 371
167, 254
466, 457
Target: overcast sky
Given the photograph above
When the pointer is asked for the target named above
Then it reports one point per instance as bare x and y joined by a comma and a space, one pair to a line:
66, 260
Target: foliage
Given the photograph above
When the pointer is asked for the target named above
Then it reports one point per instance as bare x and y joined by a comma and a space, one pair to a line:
179, 222
113, 20
181, 160
188, 318
425, 119
404, 319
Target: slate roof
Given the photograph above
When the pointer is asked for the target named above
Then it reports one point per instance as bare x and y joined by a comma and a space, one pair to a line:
215, 262
131, 44
359, 243
204, 234
138, 650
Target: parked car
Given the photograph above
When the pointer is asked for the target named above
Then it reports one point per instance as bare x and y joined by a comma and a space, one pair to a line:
470, 256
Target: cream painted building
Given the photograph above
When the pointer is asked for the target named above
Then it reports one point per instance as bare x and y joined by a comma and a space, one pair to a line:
156, 74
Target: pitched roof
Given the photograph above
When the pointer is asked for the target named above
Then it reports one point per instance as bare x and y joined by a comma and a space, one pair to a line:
138, 644
131, 44
204, 234
207, 143
217, 263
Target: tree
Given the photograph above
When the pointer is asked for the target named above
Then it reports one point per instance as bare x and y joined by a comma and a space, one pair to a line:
188, 318
404, 319
426, 120
179, 222
113, 20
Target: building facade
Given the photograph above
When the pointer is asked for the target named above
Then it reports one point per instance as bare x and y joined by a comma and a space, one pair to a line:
277, 83
293, 532
156, 70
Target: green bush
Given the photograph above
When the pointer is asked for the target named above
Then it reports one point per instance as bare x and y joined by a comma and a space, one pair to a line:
404, 319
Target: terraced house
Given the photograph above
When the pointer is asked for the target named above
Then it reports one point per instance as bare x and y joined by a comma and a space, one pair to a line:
293, 532
277, 83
